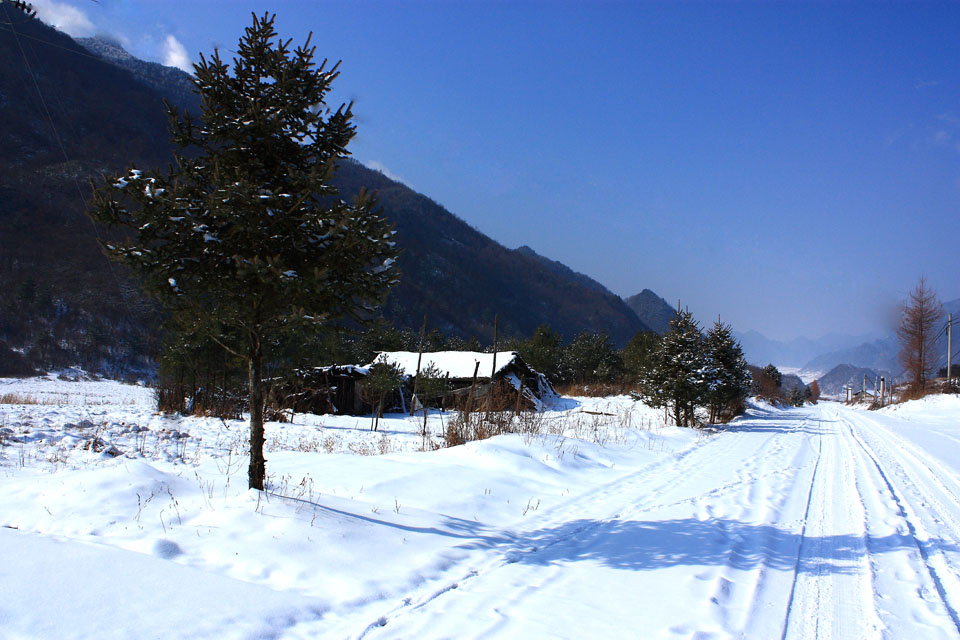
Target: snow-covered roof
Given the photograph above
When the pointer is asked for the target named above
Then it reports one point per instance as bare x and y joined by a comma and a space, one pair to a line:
458, 364
343, 368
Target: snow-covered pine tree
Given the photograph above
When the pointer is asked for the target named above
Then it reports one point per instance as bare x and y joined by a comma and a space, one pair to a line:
589, 358
638, 354
543, 351
246, 231
681, 370
730, 382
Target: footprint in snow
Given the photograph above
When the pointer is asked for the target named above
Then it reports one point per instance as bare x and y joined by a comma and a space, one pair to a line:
166, 549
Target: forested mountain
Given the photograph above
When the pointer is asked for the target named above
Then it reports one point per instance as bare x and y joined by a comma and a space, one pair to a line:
561, 269
461, 278
653, 310
69, 116
170, 82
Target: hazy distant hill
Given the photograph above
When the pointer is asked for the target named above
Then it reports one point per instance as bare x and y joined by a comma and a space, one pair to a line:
652, 309
761, 350
879, 355
65, 304
833, 382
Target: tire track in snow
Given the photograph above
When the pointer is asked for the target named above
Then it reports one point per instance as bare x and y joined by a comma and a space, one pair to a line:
676, 474
832, 594
916, 532
937, 477
803, 534
744, 590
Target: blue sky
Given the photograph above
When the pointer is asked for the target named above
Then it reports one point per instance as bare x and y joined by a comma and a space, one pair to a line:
792, 168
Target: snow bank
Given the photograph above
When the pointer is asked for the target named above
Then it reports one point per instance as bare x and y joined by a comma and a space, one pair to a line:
107, 505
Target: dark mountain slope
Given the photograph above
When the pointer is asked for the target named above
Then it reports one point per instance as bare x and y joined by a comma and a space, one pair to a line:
652, 310
65, 304
563, 270
172, 83
461, 278
67, 116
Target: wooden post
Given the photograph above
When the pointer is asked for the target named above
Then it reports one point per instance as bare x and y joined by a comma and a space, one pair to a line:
473, 386
416, 379
882, 389
496, 319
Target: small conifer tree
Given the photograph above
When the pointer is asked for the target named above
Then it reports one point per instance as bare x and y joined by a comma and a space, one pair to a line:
432, 386
679, 377
730, 380
245, 232
384, 378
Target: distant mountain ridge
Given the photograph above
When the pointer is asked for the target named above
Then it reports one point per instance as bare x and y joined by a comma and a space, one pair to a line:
109, 113
653, 310
798, 352
878, 355
882, 354
170, 82
563, 270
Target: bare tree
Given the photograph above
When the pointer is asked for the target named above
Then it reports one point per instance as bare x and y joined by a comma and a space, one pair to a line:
918, 333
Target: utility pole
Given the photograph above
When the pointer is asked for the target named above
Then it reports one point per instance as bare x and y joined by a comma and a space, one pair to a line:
949, 345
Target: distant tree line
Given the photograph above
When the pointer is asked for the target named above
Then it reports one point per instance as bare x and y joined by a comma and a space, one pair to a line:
683, 371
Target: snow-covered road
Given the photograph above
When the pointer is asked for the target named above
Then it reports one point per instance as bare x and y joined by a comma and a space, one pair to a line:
820, 522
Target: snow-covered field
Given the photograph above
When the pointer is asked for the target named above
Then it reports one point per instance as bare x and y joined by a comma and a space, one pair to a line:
815, 522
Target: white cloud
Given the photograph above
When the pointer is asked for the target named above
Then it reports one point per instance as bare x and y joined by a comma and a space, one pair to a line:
64, 17
175, 54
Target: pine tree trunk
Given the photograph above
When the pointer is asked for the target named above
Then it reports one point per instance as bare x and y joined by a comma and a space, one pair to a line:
258, 466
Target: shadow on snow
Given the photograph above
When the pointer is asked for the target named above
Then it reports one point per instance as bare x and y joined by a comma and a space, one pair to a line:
649, 545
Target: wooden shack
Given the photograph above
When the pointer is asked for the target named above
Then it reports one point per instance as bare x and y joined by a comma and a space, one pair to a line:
498, 381
503, 378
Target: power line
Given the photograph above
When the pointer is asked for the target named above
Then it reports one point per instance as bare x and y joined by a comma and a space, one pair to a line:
941, 332
53, 127
7, 26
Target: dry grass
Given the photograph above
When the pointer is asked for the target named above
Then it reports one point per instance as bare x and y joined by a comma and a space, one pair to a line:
598, 389
466, 426
18, 398
54, 400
